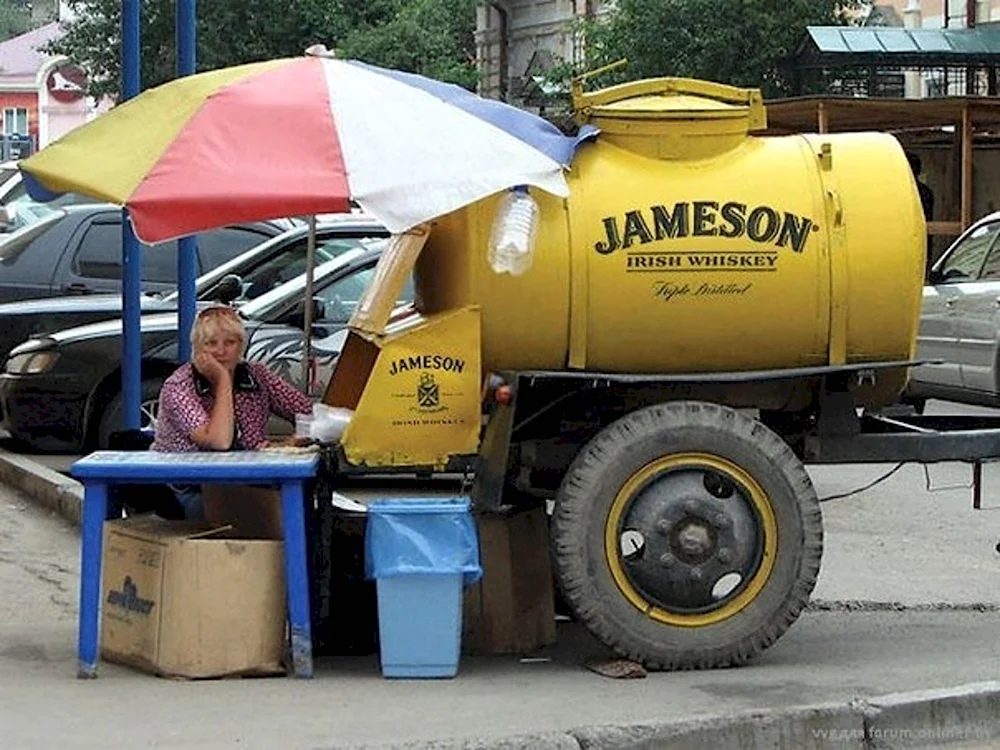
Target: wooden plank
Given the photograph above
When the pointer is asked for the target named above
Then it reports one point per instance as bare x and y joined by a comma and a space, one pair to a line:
966, 167
823, 118
350, 376
375, 307
944, 228
511, 610
951, 198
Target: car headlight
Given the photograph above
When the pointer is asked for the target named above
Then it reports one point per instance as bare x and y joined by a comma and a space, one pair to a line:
31, 363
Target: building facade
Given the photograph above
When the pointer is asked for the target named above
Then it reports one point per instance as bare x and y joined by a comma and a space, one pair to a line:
517, 41
937, 14
940, 14
42, 97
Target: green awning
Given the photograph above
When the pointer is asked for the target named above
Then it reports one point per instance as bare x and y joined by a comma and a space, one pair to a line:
850, 46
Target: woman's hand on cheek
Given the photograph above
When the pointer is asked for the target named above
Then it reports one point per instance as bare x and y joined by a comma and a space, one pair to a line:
210, 367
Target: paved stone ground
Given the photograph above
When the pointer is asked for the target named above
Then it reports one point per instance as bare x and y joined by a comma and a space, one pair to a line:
907, 599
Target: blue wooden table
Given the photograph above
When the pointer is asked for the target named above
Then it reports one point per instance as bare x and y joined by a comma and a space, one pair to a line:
104, 468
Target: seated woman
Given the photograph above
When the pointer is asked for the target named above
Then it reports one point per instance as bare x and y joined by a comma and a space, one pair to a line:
219, 402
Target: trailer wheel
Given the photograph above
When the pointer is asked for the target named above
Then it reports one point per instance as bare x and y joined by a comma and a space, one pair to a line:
687, 536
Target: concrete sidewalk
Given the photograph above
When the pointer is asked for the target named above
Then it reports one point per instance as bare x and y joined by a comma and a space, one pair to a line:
900, 649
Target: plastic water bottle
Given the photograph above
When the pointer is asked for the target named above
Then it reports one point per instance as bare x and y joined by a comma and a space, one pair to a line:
515, 228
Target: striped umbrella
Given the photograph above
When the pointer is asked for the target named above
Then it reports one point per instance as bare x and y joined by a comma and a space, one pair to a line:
300, 136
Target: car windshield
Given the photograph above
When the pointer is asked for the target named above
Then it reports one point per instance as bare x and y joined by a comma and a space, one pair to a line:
23, 212
285, 265
14, 244
20, 210
966, 259
262, 307
8, 172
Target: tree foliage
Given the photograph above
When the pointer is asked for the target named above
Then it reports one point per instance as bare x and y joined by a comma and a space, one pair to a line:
15, 18
740, 42
432, 37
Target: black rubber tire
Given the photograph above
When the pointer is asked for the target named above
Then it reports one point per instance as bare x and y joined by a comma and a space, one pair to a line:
110, 419
586, 496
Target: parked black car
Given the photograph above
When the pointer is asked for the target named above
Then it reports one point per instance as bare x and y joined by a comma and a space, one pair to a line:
77, 250
264, 266
62, 392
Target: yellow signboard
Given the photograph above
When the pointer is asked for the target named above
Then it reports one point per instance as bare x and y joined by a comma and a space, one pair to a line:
421, 402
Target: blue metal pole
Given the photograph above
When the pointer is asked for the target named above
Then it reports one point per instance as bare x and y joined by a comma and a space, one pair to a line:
131, 259
131, 84
187, 248
187, 38
95, 507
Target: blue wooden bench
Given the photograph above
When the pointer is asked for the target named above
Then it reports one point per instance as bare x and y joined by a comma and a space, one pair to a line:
102, 469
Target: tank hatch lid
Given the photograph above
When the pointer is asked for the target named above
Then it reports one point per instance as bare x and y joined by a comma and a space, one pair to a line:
672, 99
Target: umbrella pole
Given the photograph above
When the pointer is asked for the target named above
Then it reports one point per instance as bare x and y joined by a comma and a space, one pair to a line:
308, 320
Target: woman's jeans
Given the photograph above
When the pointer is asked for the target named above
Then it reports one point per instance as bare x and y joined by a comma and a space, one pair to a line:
189, 497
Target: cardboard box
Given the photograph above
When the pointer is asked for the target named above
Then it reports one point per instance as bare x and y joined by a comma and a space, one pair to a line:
511, 610
186, 599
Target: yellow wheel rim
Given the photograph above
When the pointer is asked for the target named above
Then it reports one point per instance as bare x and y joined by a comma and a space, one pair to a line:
751, 490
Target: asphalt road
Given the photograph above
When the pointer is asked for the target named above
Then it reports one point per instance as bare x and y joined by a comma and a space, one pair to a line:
907, 599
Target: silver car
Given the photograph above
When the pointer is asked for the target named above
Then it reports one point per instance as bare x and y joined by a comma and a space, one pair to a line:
960, 321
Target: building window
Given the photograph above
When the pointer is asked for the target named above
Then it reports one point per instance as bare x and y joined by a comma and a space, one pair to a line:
15, 120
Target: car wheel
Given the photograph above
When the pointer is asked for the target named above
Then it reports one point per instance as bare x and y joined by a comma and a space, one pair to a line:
111, 419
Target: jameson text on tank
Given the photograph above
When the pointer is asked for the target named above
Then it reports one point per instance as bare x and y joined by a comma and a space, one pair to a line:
427, 362
761, 224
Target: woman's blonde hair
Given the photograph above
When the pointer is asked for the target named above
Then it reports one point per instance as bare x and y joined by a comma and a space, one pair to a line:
214, 320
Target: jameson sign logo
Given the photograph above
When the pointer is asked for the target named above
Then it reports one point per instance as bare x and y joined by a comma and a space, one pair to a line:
427, 401
427, 362
428, 393
762, 225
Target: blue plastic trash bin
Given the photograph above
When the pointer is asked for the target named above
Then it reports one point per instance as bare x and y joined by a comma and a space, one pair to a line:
421, 552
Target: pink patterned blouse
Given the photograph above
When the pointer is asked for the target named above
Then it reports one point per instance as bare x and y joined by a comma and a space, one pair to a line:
186, 402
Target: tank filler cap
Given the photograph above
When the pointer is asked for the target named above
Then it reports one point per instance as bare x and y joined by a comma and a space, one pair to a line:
672, 118
672, 99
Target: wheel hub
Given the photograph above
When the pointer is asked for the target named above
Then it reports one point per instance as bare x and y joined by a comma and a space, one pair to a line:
693, 540
690, 539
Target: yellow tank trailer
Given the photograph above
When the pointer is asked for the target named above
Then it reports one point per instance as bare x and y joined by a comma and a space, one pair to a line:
694, 268
687, 245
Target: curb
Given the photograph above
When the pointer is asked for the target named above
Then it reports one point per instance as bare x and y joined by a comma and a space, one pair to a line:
922, 719
936, 717
42, 485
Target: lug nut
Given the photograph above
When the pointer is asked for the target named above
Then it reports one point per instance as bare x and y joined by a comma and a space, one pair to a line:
724, 555
722, 521
666, 559
695, 574
663, 526
690, 506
